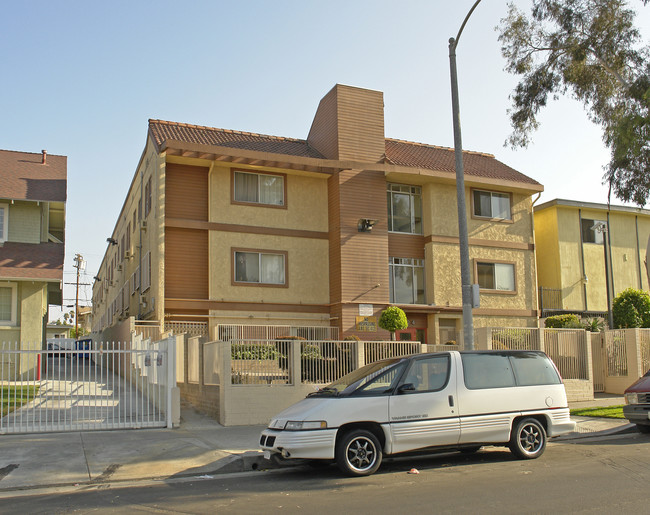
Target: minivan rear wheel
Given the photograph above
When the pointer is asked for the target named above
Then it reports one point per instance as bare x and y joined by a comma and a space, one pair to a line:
358, 453
528, 439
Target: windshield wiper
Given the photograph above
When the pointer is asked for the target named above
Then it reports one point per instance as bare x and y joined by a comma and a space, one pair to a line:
324, 391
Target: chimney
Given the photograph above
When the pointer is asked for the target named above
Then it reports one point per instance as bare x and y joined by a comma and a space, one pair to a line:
44, 157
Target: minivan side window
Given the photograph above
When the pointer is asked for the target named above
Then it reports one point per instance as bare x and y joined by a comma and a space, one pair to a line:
487, 371
429, 374
532, 368
382, 383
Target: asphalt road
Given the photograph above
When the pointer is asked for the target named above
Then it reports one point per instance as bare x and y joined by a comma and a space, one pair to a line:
594, 475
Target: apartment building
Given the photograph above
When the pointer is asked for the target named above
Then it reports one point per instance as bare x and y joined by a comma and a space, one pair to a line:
576, 259
32, 239
231, 227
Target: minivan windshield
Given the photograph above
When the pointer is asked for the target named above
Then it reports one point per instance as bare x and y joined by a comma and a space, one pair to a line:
362, 377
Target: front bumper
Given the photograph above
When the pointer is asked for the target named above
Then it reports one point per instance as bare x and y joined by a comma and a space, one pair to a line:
313, 444
637, 413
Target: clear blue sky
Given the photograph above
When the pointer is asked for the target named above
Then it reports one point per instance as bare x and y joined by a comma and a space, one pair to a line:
82, 78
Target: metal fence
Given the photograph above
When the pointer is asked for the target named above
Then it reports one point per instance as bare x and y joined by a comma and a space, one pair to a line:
227, 332
189, 328
568, 350
107, 386
644, 335
616, 352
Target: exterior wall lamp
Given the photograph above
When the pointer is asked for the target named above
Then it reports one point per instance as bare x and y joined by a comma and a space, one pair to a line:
112, 241
365, 224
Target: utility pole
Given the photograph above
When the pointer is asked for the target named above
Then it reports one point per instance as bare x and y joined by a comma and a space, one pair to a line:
79, 264
467, 289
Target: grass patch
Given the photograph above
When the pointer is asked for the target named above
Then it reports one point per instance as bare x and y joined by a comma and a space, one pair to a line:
603, 412
13, 397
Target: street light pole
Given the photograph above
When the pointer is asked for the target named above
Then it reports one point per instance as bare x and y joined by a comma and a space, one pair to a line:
466, 285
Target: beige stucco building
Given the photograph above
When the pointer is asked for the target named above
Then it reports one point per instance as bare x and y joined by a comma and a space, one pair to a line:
229, 227
575, 259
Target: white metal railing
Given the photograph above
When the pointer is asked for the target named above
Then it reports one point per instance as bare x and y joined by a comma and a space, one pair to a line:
374, 351
507, 338
644, 335
189, 328
106, 386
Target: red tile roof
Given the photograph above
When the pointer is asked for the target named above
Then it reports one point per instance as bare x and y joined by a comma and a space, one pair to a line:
398, 152
31, 260
407, 153
162, 131
23, 176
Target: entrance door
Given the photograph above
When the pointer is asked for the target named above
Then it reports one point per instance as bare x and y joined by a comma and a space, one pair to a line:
412, 334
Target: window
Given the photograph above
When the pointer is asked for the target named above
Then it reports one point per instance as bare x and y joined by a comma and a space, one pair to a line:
146, 273
592, 235
404, 208
147, 198
406, 280
487, 371
4, 222
428, 374
260, 267
7, 304
258, 188
489, 204
496, 276
128, 236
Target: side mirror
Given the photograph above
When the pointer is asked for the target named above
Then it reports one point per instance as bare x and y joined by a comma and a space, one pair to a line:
406, 387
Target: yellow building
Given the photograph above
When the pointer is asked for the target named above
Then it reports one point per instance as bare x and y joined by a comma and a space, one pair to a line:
230, 227
575, 258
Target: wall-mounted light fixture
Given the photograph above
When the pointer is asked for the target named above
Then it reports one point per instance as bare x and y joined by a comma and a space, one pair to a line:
365, 224
97, 278
112, 241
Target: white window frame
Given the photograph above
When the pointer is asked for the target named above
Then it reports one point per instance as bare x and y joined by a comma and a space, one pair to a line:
412, 264
413, 192
260, 254
492, 194
259, 176
597, 236
14, 304
4, 226
494, 265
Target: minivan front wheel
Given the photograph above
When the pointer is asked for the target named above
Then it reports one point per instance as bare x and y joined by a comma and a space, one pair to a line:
358, 453
528, 439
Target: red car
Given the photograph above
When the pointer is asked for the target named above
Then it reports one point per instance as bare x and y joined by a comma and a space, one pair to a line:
637, 403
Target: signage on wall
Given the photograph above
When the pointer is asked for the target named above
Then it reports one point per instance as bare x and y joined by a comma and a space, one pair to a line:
367, 324
366, 310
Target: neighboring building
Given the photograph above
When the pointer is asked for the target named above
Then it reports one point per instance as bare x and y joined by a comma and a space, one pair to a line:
58, 331
240, 228
32, 235
571, 247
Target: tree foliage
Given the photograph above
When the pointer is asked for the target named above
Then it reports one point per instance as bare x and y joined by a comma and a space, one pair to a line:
631, 308
393, 319
591, 50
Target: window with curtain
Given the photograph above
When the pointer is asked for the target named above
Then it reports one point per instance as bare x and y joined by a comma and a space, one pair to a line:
490, 204
259, 268
406, 281
404, 208
258, 188
496, 276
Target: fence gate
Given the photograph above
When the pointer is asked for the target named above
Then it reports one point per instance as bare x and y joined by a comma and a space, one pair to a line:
83, 387
598, 361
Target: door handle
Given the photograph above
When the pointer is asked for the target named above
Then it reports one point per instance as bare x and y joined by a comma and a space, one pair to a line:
451, 401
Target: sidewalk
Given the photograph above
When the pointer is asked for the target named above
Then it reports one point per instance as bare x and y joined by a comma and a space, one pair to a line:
199, 447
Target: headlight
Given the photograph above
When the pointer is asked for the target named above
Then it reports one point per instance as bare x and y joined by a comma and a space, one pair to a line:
297, 425
632, 398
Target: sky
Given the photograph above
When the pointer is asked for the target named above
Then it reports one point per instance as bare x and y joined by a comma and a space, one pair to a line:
81, 79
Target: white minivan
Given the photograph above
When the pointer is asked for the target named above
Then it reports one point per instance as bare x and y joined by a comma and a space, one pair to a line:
444, 400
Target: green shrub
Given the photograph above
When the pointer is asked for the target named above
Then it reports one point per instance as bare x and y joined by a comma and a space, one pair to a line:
564, 322
247, 351
631, 308
393, 319
594, 325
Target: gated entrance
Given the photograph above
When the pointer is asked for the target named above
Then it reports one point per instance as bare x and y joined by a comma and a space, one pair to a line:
84, 388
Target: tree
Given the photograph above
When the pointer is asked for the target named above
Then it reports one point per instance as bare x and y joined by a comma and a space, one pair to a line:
631, 308
592, 50
393, 319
